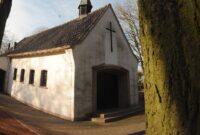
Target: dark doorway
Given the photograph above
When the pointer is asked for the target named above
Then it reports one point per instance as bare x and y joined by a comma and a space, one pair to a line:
107, 91
2, 80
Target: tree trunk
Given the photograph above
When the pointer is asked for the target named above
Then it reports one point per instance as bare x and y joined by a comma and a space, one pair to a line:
5, 6
170, 38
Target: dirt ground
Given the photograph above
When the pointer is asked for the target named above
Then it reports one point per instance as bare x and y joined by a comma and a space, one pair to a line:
11, 126
45, 124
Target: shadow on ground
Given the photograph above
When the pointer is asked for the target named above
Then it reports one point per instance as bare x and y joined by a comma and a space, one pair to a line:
139, 133
2, 133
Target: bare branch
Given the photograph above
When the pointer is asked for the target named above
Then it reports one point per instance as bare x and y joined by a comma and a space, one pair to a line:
128, 17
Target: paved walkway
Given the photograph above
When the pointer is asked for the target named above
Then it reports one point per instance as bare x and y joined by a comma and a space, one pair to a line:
45, 124
11, 126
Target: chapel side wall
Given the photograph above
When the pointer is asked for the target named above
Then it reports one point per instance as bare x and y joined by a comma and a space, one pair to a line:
4, 63
94, 52
58, 97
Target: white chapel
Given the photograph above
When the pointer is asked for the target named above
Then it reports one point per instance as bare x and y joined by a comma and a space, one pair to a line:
75, 69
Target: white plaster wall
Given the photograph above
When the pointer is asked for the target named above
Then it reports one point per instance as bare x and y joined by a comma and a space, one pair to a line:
4, 63
58, 97
94, 51
111, 57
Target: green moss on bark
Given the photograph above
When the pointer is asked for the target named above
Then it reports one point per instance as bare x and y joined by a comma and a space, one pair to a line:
170, 37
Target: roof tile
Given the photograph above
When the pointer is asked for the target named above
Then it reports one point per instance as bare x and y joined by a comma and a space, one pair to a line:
71, 33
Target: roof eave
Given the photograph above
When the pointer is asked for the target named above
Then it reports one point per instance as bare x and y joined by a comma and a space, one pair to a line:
41, 52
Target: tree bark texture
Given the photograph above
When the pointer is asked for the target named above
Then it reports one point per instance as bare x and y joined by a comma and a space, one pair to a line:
5, 6
170, 38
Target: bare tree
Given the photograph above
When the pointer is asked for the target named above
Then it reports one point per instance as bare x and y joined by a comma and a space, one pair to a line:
128, 17
8, 41
5, 6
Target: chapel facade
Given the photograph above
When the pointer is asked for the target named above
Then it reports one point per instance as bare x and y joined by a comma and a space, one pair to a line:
75, 69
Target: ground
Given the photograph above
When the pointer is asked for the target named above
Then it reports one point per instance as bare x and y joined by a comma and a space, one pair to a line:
11, 126
37, 122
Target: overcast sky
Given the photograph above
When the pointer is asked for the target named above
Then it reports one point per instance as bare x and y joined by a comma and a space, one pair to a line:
28, 16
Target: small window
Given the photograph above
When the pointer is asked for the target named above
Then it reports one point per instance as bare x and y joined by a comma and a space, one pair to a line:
15, 74
22, 75
43, 78
31, 76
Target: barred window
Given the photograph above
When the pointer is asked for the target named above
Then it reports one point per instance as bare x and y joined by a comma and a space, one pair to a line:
43, 78
15, 74
31, 76
22, 75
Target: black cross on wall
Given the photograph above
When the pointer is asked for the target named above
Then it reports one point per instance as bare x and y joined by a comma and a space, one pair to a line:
111, 37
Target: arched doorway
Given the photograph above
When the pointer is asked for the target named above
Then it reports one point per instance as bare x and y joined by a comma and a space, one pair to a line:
107, 90
111, 88
2, 80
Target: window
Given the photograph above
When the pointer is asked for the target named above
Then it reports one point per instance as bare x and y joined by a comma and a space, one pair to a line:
22, 75
31, 76
15, 74
43, 78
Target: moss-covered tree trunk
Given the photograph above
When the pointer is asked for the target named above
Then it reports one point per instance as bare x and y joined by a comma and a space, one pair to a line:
170, 37
5, 6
